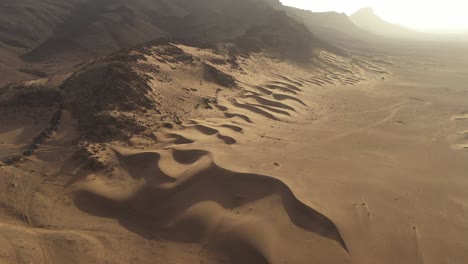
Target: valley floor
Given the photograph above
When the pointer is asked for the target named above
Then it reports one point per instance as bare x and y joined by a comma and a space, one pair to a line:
385, 160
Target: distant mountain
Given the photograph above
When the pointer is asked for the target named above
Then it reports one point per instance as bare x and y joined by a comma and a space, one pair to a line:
367, 19
283, 36
25, 23
63, 33
332, 27
325, 21
65, 29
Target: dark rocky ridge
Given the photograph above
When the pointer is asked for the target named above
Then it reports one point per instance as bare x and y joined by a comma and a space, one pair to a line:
283, 36
61, 33
85, 29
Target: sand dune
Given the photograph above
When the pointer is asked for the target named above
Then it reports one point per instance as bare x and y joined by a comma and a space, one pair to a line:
164, 182
217, 185
265, 145
210, 205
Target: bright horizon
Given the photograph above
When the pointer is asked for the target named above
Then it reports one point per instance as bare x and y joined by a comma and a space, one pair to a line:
448, 15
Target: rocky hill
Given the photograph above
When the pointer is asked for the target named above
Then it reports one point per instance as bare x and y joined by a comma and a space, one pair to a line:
330, 26
55, 30
367, 19
46, 37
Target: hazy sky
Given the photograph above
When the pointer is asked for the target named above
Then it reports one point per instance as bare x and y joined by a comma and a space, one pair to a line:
429, 14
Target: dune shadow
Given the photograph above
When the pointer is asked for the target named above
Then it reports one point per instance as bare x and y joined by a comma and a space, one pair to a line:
152, 210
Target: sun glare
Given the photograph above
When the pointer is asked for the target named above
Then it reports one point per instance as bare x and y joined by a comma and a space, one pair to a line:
419, 14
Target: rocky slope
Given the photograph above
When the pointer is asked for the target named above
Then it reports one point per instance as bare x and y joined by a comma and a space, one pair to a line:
47, 37
331, 26
56, 30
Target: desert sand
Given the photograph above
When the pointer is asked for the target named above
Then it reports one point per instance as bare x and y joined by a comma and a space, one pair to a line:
180, 152
295, 167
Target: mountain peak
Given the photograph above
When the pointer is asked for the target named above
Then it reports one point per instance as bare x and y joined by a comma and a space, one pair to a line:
365, 11
367, 19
